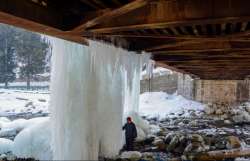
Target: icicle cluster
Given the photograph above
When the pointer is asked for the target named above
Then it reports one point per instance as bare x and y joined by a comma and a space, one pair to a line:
92, 88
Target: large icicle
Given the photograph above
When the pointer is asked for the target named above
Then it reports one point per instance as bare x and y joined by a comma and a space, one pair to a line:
91, 88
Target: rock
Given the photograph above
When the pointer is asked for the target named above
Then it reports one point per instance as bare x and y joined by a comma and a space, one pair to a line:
169, 137
209, 110
247, 108
42, 100
147, 157
177, 144
196, 138
23, 99
154, 129
195, 147
219, 112
227, 122
181, 124
162, 132
173, 143
246, 116
238, 118
131, 155
149, 140
29, 104
159, 144
186, 121
247, 141
220, 143
233, 142
224, 116
193, 123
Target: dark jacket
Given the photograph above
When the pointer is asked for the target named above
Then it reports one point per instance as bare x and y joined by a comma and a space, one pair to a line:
130, 130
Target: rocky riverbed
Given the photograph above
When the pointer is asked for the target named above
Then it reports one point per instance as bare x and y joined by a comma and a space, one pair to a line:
181, 137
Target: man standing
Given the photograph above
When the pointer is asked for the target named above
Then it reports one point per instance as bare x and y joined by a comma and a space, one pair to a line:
130, 133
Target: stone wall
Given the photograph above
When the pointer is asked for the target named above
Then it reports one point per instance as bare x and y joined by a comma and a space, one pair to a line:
222, 91
166, 83
185, 86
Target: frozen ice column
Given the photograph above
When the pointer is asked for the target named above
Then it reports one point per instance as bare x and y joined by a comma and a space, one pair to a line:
90, 88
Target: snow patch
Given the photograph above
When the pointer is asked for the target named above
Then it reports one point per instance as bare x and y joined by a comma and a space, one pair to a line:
160, 105
6, 145
16, 101
34, 141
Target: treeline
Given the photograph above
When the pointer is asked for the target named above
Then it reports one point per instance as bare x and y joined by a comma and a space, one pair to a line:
22, 53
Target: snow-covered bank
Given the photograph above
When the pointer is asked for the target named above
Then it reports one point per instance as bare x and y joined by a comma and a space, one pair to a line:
161, 105
26, 138
14, 102
25, 83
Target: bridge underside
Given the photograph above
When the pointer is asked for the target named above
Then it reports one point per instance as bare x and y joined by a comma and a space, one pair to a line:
209, 39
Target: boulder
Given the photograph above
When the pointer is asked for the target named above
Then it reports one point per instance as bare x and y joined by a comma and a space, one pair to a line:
196, 138
195, 147
238, 118
159, 144
209, 110
233, 142
219, 112
247, 108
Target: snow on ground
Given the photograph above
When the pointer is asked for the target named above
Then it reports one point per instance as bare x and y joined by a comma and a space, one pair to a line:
152, 104
32, 137
19, 101
46, 83
160, 104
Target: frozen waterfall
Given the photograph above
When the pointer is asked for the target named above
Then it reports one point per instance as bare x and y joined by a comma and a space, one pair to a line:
92, 88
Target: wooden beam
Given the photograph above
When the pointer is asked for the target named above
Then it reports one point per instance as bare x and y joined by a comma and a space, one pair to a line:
216, 43
177, 44
117, 2
91, 4
161, 25
200, 50
100, 3
33, 12
112, 14
43, 29
174, 31
241, 35
205, 62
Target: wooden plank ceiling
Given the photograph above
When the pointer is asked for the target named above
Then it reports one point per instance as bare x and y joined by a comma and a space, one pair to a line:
206, 38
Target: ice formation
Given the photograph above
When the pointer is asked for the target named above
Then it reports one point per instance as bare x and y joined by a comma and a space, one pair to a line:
92, 88
5, 145
34, 141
